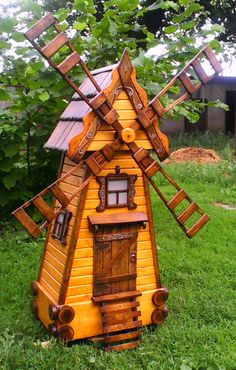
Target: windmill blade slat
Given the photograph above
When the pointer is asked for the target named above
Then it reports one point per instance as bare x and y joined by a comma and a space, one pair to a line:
197, 226
213, 60
184, 216
176, 200
187, 83
182, 76
200, 71
59, 195
54, 45
94, 163
44, 208
46, 211
26, 222
39, 27
150, 168
67, 64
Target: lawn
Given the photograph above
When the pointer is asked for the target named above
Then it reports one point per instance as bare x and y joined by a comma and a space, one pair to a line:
200, 331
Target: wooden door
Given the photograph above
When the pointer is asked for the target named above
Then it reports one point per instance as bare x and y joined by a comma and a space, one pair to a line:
115, 251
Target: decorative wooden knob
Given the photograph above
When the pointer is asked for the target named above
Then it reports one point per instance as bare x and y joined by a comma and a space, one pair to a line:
128, 135
159, 315
65, 333
66, 314
160, 296
63, 313
53, 311
53, 329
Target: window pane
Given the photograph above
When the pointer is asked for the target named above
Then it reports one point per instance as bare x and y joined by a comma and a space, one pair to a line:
111, 199
117, 184
60, 218
122, 198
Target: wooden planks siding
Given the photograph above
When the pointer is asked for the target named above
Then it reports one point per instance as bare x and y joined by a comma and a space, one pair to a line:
127, 117
52, 268
80, 288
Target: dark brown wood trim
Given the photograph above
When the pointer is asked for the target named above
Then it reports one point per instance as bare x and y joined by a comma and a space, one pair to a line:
72, 246
112, 279
51, 224
117, 296
104, 192
118, 218
152, 232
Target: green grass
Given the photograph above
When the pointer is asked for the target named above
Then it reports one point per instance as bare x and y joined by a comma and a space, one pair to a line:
199, 332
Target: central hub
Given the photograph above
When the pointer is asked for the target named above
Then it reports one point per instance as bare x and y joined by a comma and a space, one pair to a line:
128, 135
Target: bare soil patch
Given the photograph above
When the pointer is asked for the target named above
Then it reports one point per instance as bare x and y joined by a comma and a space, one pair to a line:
193, 154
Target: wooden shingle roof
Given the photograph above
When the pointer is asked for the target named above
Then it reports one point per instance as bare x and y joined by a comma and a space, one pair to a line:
71, 120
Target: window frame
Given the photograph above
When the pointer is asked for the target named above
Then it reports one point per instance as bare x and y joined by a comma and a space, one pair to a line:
104, 192
60, 228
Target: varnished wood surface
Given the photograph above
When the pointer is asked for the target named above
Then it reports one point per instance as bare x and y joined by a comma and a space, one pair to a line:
118, 218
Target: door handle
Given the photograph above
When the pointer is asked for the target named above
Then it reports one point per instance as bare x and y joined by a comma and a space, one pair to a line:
133, 257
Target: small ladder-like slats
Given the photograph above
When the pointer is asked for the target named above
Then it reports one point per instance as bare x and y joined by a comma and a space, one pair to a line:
43, 208
197, 226
121, 337
39, 27
93, 165
119, 307
184, 216
204, 78
46, 211
175, 201
27, 222
149, 167
58, 193
213, 60
67, 64
119, 317
186, 82
54, 45
152, 169
120, 327
121, 347
108, 318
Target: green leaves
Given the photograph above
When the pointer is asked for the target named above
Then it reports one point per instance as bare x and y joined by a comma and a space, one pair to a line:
170, 29
7, 24
218, 104
44, 96
4, 94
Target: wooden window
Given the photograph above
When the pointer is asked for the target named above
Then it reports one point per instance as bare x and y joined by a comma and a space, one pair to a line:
61, 226
116, 190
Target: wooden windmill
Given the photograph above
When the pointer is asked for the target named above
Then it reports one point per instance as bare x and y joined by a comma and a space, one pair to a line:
99, 274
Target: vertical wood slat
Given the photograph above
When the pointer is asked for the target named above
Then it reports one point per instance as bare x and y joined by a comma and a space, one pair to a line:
44, 208
212, 59
54, 45
27, 222
187, 82
204, 78
39, 27
59, 194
